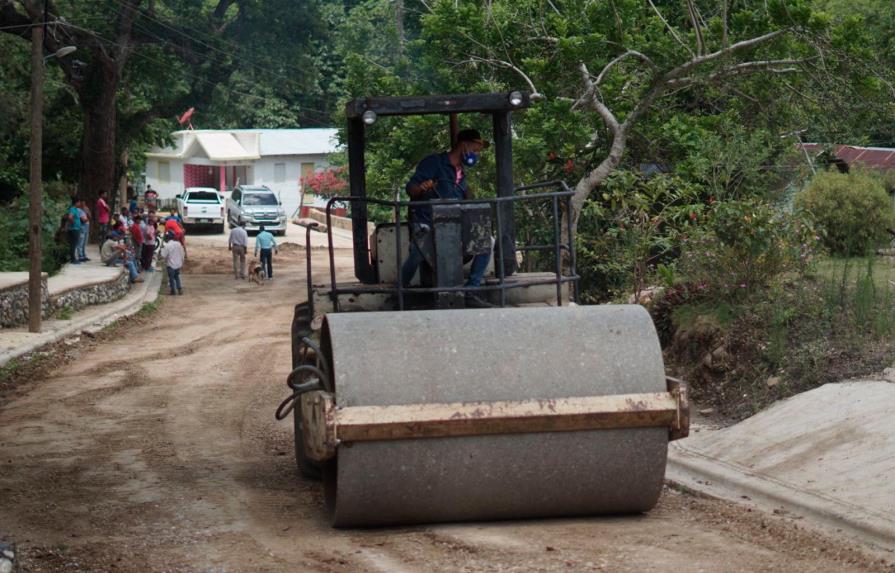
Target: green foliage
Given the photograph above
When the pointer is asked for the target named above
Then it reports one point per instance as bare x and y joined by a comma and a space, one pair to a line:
800, 332
65, 313
14, 235
744, 247
634, 225
852, 210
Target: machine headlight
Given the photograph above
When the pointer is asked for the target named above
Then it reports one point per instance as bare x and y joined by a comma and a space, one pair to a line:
369, 117
516, 99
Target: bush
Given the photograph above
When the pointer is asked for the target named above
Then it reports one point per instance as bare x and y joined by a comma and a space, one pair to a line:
743, 247
852, 210
14, 235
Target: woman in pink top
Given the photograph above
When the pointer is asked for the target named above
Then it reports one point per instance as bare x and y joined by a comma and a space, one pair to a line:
102, 215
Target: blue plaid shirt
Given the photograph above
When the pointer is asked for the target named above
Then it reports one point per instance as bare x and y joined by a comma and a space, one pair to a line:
438, 167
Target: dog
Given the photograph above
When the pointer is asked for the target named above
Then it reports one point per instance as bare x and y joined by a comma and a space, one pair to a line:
256, 272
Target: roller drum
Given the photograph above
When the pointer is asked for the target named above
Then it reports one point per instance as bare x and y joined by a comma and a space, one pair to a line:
432, 357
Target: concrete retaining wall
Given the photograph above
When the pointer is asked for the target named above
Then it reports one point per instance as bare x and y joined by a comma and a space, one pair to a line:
14, 302
97, 293
14, 298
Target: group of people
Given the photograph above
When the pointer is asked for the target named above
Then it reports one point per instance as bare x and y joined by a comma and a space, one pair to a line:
127, 238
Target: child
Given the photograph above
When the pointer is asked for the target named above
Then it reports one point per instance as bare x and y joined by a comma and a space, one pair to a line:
172, 253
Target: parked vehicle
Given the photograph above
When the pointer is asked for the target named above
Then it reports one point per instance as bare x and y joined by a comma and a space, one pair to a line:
256, 206
201, 206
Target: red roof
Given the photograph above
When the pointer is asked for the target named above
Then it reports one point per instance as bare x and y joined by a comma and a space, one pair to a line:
871, 157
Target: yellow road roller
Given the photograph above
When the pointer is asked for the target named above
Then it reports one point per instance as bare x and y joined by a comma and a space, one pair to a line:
427, 400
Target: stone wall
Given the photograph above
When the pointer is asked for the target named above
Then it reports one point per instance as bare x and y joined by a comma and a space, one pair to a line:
14, 303
98, 293
14, 298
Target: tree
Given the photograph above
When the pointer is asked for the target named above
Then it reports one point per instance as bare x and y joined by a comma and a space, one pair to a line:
613, 62
141, 60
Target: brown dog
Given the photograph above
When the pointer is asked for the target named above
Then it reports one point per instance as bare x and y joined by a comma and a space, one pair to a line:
256, 272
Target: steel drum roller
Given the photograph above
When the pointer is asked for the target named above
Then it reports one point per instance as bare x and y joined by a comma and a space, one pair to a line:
527, 357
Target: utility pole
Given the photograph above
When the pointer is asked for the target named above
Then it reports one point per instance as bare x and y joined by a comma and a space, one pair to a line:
35, 190
35, 193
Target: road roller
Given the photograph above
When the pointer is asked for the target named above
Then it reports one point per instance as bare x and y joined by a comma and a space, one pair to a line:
436, 402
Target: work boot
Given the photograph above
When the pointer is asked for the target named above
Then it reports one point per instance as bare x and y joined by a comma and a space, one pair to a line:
180, 291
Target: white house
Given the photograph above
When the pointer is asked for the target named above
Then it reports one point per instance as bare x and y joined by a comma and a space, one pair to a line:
223, 158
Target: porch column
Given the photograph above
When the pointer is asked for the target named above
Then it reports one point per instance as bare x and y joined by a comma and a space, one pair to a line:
223, 171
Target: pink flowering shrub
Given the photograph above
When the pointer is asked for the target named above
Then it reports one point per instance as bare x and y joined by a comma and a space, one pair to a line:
326, 183
743, 247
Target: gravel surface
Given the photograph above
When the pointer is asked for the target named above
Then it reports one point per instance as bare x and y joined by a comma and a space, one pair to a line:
153, 447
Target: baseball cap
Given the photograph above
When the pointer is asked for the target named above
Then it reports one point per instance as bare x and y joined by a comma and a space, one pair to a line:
474, 136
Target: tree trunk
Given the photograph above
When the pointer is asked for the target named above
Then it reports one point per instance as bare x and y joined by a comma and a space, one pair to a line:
122, 179
594, 179
98, 142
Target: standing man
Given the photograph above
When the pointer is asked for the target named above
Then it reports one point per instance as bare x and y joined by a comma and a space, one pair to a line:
73, 231
442, 176
85, 231
265, 243
148, 242
102, 216
239, 244
173, 254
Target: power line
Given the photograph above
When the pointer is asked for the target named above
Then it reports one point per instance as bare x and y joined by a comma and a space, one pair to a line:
197, 32
271, 71
161, 63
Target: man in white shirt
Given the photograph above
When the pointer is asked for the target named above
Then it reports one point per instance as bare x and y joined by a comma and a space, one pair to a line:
172, 253
238, 245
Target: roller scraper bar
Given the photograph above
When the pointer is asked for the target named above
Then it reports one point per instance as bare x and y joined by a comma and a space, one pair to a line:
326, 426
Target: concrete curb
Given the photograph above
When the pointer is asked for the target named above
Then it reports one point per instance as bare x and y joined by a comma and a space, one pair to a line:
142, 293
712, 476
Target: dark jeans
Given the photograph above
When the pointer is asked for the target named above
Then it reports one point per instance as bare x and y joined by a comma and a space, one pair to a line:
73, 237
174, 280
146, 255
416, 258
267, 261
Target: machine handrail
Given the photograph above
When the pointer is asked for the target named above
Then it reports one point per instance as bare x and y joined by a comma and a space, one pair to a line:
483, 200
554, 197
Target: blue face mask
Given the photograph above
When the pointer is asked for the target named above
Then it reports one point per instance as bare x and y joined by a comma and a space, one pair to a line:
470, 158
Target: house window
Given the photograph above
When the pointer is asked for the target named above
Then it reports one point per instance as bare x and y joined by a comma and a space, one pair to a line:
279, 172
164, 171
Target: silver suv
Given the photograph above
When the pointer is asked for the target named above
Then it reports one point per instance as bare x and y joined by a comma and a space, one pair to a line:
256, 206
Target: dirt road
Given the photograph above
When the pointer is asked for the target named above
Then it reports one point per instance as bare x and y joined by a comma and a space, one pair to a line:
155, 449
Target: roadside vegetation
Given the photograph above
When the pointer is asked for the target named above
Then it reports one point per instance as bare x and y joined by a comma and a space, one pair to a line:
14, 235
763, 303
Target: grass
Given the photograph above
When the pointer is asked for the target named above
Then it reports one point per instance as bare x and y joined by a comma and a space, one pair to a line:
65, 313
851, 269
833, 323
149, 308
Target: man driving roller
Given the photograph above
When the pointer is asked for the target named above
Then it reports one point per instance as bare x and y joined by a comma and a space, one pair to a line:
442, 176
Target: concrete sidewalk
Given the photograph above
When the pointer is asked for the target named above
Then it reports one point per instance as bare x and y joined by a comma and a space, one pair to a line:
827, 455
16, 342
86, 273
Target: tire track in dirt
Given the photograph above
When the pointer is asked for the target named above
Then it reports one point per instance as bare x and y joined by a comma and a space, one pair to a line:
157, 450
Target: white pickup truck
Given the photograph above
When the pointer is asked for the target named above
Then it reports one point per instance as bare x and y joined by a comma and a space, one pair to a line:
201, 206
